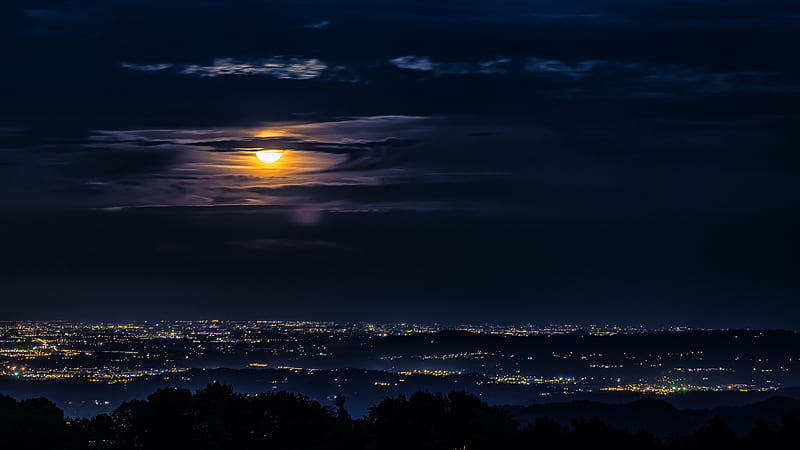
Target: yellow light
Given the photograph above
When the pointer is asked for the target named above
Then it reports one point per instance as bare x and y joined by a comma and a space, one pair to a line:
271, 133
269, 156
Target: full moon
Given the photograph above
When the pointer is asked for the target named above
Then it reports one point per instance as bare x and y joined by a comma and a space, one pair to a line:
269, 156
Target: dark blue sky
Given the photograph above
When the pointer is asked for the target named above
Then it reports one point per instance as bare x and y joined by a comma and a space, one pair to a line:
527, 161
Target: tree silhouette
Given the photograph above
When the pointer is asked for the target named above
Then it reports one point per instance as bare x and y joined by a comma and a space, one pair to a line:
436, 421
217, 418
31, 424
716, 434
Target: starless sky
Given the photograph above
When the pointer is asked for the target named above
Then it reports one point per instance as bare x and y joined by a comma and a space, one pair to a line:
600, 161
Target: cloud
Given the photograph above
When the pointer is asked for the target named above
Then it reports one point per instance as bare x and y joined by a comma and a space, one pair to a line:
192, 166
493, 66
278, 67
321, 24
146, 67
554, 67
118, 164
443, 194
421, 63
601, 78
344, 132
427, 64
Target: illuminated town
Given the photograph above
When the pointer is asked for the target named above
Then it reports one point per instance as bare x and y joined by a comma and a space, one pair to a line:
491, 360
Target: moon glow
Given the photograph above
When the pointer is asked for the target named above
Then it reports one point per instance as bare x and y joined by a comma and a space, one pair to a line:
269, 156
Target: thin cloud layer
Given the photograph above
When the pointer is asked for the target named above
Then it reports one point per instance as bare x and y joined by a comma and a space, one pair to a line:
602, 78
146, 67
277, 67
426, 64
320, 24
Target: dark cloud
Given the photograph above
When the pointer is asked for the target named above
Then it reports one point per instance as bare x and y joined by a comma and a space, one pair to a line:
114, 164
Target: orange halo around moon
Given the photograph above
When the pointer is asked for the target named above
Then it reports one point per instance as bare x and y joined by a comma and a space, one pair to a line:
269, 156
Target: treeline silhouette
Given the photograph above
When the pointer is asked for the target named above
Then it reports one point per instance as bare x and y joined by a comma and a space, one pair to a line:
217, 418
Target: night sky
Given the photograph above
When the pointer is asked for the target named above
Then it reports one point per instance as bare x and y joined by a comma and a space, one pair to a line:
583, 161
